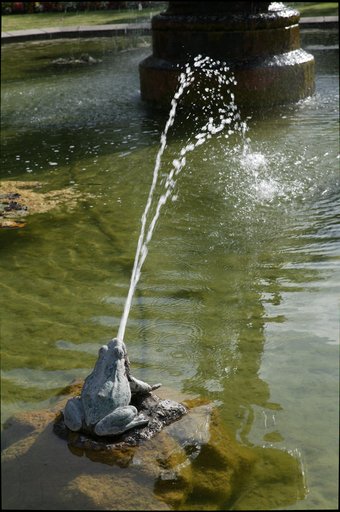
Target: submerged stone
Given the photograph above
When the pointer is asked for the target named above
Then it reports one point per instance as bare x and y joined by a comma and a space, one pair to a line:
85, 58
158, 412
194, 463
18, 199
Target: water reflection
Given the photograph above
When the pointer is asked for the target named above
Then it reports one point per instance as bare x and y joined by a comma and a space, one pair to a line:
238, 266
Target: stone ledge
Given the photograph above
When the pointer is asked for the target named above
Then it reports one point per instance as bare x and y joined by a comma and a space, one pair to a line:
319, 22
17, 36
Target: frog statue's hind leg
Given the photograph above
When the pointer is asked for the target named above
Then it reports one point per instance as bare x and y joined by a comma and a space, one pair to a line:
119, 421
74, 414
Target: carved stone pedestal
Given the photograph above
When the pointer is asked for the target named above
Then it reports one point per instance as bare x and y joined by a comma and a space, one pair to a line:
261, 47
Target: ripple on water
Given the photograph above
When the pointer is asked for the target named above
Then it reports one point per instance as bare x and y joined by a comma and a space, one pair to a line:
44, 379
89, 348
169, 332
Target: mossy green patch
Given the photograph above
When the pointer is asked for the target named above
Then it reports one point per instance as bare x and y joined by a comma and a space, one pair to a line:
10, 392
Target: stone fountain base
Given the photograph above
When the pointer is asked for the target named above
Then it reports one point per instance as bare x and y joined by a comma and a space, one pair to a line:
261, 47
260, 83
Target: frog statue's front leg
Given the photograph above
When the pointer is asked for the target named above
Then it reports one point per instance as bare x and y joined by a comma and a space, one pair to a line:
140, 387
137, 387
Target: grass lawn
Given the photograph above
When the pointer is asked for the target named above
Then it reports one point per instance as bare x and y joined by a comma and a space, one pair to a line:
62, 19
316, 8
56, 19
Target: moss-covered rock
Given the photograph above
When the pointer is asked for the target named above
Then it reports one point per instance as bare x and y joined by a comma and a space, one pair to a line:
218, 468
21, 198
192, 464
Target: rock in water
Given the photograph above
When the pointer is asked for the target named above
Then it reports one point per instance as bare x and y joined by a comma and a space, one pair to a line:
159, 412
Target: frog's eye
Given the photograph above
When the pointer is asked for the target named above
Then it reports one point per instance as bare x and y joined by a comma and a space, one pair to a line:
102, 350
118, 353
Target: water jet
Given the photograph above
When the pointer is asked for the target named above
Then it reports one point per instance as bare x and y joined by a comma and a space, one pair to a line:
105, 406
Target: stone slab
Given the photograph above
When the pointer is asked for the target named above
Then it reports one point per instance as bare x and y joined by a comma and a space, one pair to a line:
109, 30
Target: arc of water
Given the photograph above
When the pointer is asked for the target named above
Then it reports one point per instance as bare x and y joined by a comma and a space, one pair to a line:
206, 131
138, 262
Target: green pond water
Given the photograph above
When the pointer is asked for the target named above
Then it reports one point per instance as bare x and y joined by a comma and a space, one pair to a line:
238, 300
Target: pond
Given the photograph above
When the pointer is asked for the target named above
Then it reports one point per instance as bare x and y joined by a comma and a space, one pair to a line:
238, 297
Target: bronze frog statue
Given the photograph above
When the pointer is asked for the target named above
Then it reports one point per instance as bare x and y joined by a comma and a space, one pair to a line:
103, 407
